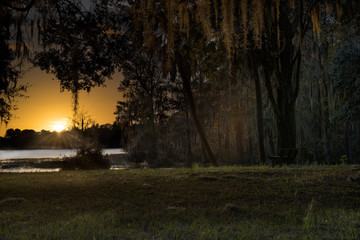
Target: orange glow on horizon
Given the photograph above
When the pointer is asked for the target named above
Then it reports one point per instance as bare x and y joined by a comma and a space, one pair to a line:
59, 125
45, 103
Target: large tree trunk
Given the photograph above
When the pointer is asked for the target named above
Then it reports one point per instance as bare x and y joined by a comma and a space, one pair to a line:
325, 99
239, 131
184, 68
151, 132
348, 141
251, 148
328, 145
219, 135
286, 128
227, 141
259, 119
357, 143
324, 103
259, 109
188, 139
284, 113
270, 139
281, 64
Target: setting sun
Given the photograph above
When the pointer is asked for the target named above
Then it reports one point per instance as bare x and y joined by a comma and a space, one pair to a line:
59, 125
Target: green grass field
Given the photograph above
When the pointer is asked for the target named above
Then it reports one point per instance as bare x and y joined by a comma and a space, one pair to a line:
315, 202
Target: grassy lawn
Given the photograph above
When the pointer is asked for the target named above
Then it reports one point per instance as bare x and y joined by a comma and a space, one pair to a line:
203, 203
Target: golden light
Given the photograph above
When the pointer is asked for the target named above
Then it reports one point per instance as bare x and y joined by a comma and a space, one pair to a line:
59, 125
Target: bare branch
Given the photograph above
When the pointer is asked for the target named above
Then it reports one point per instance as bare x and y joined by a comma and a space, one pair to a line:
20, 9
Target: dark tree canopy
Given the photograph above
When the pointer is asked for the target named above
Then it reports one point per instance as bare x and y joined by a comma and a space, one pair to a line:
74, 49
9, 68
233, 66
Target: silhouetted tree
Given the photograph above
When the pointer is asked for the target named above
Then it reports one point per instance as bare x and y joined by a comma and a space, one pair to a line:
74, 48
149, 95
9, 70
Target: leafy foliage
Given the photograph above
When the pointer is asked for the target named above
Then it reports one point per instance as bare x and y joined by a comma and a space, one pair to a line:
202, 57
346, 74
86, 158
74, 49
9, 71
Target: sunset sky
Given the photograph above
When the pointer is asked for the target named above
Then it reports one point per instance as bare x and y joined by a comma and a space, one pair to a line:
46, 106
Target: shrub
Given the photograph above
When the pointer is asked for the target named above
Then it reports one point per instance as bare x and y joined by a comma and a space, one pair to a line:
87, 158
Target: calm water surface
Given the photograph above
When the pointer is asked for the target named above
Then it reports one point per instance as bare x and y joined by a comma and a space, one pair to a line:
48, 153
21, 158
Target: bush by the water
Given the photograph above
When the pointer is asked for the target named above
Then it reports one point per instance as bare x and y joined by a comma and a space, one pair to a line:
87, 158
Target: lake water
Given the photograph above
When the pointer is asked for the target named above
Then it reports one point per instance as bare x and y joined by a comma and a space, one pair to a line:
48, 153
21, 158
29, 170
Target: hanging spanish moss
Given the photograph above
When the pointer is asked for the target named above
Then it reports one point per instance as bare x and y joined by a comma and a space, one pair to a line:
277, 2
292, 4
338, 9
184, 18
216, 12
227, 8
204, 17
257, 19
315, 18
149, 39
244, 20
171, 18
329, 7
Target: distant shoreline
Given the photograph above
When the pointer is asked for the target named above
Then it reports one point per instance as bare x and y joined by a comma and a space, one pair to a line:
49, 153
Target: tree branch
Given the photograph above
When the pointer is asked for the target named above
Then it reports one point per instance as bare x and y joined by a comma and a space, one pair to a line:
270, 91
20, 9
297, 76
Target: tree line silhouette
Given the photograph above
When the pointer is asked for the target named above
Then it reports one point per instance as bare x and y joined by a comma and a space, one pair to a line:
103, 136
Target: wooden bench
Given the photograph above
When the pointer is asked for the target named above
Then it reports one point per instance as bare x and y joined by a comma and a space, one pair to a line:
285, 156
